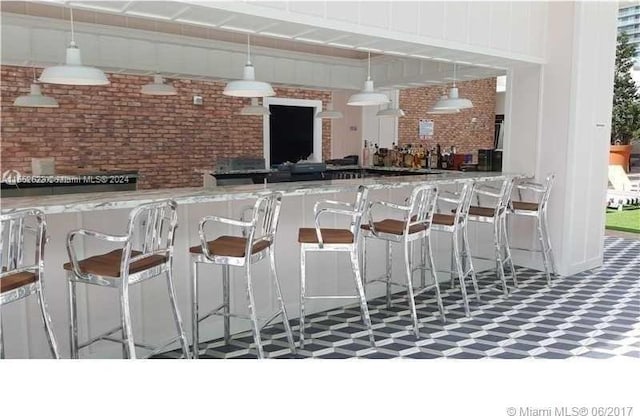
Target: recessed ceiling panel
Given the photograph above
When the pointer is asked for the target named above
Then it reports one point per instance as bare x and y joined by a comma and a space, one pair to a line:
104, 6
155, 9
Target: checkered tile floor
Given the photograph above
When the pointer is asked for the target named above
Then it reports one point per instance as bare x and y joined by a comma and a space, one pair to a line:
592, 314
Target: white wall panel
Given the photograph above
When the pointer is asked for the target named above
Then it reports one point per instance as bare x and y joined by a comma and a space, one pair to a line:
16, 42
432, 19
48, 45
375, 14
347, 11
456, 21
312, 8
404, 16
500, 24
519, 27
479, 21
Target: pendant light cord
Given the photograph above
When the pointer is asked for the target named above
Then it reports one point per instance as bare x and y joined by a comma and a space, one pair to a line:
72, 31
248, 49
454, 75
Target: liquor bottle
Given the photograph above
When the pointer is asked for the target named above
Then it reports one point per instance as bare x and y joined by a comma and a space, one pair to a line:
439, 153
423, 157
376, 156
365, 155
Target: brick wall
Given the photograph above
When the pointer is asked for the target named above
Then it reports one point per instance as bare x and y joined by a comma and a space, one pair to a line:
116, 127
451, 129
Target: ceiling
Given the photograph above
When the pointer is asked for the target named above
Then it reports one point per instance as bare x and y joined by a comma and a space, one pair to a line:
392, 60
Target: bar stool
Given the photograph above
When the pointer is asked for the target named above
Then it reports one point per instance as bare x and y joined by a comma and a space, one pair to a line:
139, 260
257, 243
335, 240
497, 216
17, 279
455, 224
414, 226
537, 210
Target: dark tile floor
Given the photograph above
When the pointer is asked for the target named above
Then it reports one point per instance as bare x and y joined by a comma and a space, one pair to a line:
592, 314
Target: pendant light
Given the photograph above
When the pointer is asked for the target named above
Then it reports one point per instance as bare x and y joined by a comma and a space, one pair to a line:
255, 109
391, 111
35, 97
442, 106
329, 113
158, 87
453, 101
73, 72
248, 86
368, 96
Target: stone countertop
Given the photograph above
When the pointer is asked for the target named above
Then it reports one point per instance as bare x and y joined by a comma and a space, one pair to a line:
55, 204
329, 168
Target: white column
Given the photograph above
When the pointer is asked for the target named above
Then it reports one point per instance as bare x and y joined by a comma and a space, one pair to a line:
569, 134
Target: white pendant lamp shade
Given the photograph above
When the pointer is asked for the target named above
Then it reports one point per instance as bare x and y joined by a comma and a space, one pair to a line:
329, 113
255, 109
456, 101
444, 106
248, 86
452, 101
35, 99
73, 72
158, 87
391, 111
368, 96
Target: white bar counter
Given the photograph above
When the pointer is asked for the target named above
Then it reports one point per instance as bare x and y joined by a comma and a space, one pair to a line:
98, 307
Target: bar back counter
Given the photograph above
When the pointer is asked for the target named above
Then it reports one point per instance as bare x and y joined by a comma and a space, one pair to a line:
108, 212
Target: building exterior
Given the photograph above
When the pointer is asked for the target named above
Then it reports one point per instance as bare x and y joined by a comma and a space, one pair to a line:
629, 23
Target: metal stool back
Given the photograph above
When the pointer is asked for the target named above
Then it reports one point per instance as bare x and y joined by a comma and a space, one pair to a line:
258, 242
327, 240
537, 210
456, 224
415, 226
19, 277
496, 215
147, 252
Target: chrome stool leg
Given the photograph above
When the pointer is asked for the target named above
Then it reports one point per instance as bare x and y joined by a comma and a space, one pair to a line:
543, 249
389, 273
127, 331
458, 266
195, 313
255, 326
227, 303
303, 271
453, 262
423, 263
412, 302
507, 249
499, 259
471, 270
1, 339
363, 263
176, 315
545, 225
46, 321
283, 309
363, 301
434, 276
73, 319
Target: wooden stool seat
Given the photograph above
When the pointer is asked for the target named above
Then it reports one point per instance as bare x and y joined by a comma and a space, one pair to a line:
230, 246
108, 264
391, 226
525, 206
444, 219
16, 280
329, 236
